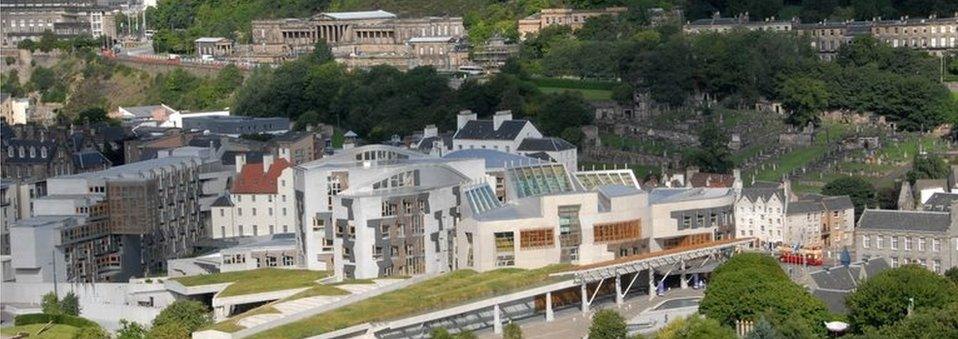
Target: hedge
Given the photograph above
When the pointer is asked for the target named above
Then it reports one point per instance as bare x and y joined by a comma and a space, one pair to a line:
43, 318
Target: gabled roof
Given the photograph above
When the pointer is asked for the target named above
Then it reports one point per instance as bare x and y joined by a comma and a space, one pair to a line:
801, 207
253, 180
714, 180
549, 144
89, 159
923, 184
223, 201
485, 130
841, 202
895, 220
765, 193
940, 202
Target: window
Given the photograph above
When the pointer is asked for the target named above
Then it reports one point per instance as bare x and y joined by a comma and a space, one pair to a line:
878, 241
894, 242
936, 266
894, 262
629, 230
505, 248
254, 211
907, 243
536, 238
270, 229
239, 211
255, 230
865, 240
222, 212
240, 228
568, 219
287, 260
935, 245
270, 210
921, 244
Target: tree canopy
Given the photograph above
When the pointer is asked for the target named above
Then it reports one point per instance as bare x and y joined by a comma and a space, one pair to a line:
861, 192
188, 314
608, 324
694, 327
884, 299
927, 166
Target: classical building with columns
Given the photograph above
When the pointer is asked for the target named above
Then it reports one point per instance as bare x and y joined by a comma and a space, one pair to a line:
362, 39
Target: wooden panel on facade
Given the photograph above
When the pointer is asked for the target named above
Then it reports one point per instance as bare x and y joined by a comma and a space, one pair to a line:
618, 231
537, 238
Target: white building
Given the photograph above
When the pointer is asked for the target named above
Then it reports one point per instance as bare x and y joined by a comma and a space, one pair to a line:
261, 202
760, 213
34, 243
14, 111
516, 136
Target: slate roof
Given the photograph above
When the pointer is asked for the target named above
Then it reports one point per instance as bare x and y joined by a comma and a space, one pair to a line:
229, 157
711, 180
89, 159
550, 144
923, 184
425, 144
541, 156
835, 278
484, 130
37, 145
253, 180
940, 202
801, 207
842, 202
223, 201
834, 300
764, 193
833, 284
923, 221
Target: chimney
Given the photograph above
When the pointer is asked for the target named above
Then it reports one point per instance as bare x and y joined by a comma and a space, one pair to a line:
500, 117
267, 162
464, 117
430, 131
240, 162
737, 183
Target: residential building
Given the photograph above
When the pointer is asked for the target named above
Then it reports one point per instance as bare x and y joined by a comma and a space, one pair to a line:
760, 213
367, 38
573, 18
940, 202
235, 126
434, 143
832, 284
296, 147
719, 24
821, 222
66, 19
925, 188
926, 238
14, 111
261, 201
516, 136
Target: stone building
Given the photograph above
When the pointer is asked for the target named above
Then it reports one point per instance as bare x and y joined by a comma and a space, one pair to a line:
493, 54
926, 238
573, 18
362, 39
516, 136
30, 18
214, 46
821, 222
721, 24
760, 213
259, 203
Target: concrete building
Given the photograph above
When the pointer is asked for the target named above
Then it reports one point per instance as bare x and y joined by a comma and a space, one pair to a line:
123, 222
14, 111
516, 136
926, 238
573, 18
684, 217
363, 39
235, 126
277, 250
760, 213
261, 201
385, 211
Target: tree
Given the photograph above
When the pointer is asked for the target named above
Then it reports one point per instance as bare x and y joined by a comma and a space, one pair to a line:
573, 135
563, 110
713, 154
171, 330
762, 330
952, 274
512, 331
608, 324
27, 44
694, 327
131, 330
884, 299
927, 167
70, 304
929, 323
50, 304
804, 97
321, 53
42, 79
861, 192
92, 115
190, 314
48, 41
91, 332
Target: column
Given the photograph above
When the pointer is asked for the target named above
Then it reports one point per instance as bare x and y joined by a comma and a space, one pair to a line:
549, 315
618, 290
683, 283
496, 321
585, 299
651, 284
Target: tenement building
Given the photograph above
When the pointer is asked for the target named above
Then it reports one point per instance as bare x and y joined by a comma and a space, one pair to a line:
821, 222
115, 224
363, 39
926, 238
28, 19
760, 213
261, 201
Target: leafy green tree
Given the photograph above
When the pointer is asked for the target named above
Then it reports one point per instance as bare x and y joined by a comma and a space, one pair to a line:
952, 274
762, 330
42, 79
70, 304
50, 304
10, 82
48, 41
928, 323
27, 44
884, 299
573, 135
563, 110
512, 331
861, 192
623, 94
694, 327
131, 330
927, 167
804, 98
713, 154
92, 115
608, 324
171, 330
189, 314
321, 53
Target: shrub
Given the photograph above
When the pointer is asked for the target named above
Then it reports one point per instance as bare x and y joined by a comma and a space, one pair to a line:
608, 324
43, 318
190, 313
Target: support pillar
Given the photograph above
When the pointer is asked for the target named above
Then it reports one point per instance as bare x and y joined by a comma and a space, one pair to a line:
683, 283
496, 320
549, 315
585, 299
619, 297
651, 284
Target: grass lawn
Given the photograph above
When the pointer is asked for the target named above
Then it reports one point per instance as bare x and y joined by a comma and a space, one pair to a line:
589, 94
256, 281
444, 291
57, 331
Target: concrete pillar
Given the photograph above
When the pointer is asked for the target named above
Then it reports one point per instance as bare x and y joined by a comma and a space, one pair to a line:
549, 315
496, 321
682, 281
651, 284
618, 290
585, 299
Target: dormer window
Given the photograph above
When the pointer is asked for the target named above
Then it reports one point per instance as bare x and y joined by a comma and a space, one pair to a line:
33, 152
43, 152
20, 150
10, 151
